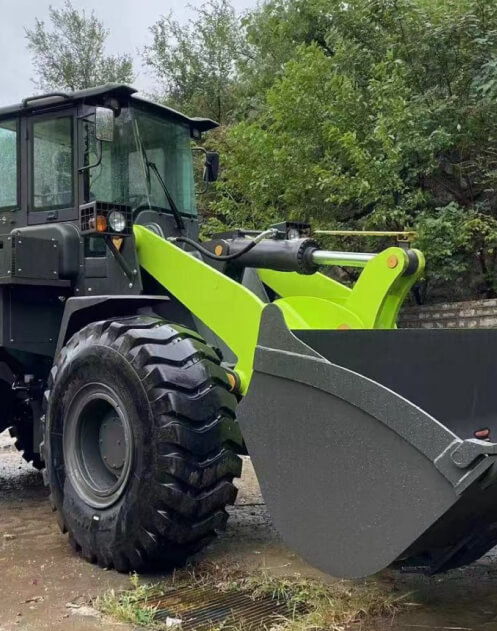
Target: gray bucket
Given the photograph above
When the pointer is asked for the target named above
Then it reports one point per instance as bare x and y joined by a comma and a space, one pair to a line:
364, 444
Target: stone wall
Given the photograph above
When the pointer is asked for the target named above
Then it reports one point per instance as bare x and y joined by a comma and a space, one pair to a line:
466, 315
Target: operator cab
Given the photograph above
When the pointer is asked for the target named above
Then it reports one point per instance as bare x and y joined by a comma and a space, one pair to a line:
99, 160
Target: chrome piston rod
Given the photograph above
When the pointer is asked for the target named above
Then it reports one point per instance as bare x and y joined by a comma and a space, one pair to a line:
343, 259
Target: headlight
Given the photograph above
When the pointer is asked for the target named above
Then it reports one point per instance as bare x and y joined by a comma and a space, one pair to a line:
117, 221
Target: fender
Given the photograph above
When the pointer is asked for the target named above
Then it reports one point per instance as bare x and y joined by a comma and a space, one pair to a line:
81, 311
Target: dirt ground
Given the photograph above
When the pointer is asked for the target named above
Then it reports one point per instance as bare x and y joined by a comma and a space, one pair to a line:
43, 585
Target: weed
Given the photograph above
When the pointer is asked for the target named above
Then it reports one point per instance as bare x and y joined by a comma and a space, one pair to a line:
130, 605
312, 604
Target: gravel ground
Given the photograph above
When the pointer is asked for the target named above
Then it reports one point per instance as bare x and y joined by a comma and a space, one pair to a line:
44, 585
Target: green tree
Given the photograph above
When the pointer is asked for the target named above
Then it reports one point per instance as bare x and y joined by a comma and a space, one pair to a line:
69, 53
372, 113
196, 63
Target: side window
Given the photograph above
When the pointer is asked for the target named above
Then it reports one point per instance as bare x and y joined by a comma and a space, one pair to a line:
53, 173
8, 164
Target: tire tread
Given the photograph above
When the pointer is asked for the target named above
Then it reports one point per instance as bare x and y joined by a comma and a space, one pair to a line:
189, 395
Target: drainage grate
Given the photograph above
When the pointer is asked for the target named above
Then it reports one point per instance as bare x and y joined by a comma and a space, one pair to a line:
202, 609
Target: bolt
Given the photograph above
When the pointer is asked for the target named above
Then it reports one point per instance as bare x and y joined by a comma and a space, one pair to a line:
90, 289
19, 269
392, 261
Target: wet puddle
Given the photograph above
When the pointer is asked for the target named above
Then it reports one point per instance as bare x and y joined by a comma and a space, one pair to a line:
462, 600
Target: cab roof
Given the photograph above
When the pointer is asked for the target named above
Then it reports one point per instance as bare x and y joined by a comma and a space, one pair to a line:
98, 96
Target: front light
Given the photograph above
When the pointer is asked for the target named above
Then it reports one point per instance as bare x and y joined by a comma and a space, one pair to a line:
117, 221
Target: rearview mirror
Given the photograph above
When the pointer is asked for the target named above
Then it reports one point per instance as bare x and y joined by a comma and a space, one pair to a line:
104, 124
211, 166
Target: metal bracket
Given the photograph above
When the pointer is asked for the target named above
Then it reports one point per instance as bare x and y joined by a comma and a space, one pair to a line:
469, 450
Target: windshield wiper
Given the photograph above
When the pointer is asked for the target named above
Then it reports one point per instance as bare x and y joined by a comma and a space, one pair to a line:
151, 166
174, 209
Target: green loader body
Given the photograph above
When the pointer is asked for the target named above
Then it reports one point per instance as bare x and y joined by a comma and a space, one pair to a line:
137, 363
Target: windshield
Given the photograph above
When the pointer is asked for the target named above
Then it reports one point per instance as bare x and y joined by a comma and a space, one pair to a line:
144, 147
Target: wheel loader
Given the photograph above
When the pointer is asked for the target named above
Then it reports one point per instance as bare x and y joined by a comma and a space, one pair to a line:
138, 363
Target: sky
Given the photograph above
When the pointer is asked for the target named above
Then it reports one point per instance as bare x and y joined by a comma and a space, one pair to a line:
127, 20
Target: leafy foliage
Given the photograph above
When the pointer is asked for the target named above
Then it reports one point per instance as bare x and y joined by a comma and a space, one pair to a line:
373, 114
69, 54
359, 114
195, 63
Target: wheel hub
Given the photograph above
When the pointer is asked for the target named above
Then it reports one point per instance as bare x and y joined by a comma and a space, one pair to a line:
112, 443
98, 445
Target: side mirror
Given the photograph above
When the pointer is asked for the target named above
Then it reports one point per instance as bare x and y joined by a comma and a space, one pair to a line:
104, 124
211, 166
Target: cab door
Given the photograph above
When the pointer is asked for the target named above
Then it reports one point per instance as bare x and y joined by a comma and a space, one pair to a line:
52, 165
10, 190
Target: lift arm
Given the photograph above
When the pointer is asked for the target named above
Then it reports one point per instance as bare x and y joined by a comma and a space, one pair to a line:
307, 301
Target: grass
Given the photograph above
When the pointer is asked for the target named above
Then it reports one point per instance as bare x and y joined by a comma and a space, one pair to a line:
316, 605
130, 605
333, 606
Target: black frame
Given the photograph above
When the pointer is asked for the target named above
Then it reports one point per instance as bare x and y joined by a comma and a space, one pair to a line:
17, 205
54, 214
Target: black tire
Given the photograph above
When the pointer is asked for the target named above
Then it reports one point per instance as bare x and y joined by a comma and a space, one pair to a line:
177, 400
17, 417
23, 433
8, 406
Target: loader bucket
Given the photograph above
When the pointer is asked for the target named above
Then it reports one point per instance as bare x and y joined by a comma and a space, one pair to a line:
364, 444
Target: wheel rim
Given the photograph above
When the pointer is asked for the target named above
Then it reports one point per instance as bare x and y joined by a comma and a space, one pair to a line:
98, 445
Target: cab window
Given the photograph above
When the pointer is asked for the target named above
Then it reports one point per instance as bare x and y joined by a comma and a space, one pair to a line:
8, 164
53, 168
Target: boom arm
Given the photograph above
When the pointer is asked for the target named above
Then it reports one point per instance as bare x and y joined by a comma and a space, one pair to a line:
307, 302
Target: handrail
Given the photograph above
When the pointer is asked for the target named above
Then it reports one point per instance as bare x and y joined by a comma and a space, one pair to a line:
43, 97
401, 235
